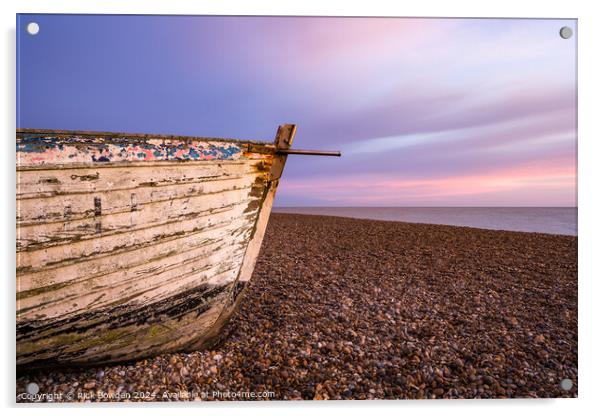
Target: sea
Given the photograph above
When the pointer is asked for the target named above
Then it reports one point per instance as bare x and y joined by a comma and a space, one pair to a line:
539, 220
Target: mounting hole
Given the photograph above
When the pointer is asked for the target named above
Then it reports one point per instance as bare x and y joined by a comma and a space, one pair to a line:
33, 388
33, 28
566, 384
566, 32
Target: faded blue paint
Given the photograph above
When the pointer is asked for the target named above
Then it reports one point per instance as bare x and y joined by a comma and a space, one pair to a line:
231, 151
100, 149
34, 144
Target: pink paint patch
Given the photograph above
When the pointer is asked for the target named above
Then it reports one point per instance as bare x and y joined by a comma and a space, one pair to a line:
149, 154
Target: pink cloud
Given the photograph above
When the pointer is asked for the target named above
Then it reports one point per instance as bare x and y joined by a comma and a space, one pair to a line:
550, 182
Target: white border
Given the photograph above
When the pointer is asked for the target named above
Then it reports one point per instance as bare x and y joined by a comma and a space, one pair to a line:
590, 273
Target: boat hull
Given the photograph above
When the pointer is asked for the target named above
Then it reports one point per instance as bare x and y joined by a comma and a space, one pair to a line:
130, 246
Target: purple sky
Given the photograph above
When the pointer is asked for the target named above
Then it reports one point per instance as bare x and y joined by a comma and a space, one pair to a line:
427, 112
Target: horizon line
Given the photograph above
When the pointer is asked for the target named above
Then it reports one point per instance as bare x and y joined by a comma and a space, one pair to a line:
423, 206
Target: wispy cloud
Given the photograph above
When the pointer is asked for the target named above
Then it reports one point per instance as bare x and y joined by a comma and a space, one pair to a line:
523, 133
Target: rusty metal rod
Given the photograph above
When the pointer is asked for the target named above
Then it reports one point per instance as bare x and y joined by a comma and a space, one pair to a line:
308, 152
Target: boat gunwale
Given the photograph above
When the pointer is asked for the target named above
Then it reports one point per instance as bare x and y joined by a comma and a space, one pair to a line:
137, 136
131, 164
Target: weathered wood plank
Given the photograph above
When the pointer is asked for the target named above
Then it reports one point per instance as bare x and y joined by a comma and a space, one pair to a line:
133, 288
96, 267
137, 217
114, 333
48, 183
103, 245
63, 208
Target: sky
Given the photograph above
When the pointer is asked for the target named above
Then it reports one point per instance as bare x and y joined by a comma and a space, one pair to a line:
427, 112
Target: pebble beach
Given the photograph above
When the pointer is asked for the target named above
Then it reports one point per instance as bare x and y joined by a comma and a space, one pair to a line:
343, 308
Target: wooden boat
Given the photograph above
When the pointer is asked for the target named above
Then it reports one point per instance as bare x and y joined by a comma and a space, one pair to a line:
133, 245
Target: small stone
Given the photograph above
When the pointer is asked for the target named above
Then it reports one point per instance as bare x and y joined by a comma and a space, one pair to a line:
90, 385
